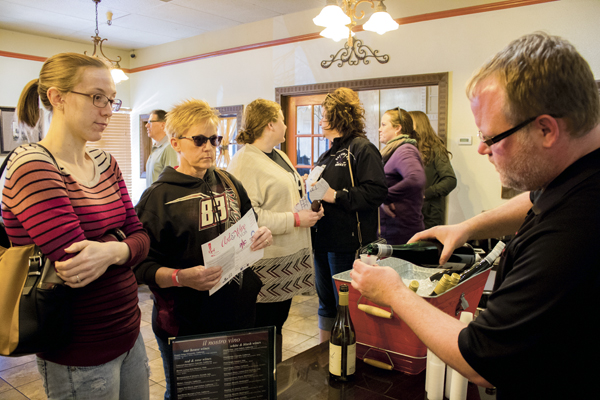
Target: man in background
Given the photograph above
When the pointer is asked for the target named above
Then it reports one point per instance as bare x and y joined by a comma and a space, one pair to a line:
162, 154
537, 108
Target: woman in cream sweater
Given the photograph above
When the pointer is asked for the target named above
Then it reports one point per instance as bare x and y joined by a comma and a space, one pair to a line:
275, 187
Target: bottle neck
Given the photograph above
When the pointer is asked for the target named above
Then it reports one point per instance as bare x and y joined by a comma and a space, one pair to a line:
343, 299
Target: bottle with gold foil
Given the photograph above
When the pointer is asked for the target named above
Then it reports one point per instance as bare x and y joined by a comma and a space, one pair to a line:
442, 286
342, 343
414, 286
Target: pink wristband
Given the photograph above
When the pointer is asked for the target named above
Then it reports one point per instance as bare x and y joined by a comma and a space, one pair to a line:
296, 220
175, 278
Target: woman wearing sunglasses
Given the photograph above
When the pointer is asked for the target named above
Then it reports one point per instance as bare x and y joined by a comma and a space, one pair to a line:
73, 203
185, 208
275, 188
400, 214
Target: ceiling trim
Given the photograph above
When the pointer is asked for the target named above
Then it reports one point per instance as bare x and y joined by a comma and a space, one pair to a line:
500, 5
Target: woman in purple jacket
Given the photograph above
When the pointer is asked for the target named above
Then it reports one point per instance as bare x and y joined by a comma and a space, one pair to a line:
400, 214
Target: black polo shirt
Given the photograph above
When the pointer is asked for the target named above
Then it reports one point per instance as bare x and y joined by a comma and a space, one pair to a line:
538, 337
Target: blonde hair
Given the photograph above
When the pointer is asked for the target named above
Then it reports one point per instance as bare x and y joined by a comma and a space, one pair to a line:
544, 74
188, 114
257, 116
428, 142
61, 71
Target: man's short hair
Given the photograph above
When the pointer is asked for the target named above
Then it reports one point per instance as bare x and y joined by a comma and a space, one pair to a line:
161, 115
544, 74
188, 114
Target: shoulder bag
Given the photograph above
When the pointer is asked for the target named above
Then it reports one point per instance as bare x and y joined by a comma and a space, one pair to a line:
35, 307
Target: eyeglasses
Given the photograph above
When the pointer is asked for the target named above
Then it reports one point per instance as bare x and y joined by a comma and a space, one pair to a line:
201, 140
505, 134
100, 101
151, 122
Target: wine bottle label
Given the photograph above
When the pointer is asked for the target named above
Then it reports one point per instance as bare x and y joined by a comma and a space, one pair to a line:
335, 359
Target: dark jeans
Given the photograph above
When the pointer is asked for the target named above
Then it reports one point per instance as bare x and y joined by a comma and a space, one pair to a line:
274, 314
167, 354
326, 265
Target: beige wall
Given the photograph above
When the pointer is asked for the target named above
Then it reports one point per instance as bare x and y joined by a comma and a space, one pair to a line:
456, 45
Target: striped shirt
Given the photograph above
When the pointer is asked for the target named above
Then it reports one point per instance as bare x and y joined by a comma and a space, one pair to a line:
48, 207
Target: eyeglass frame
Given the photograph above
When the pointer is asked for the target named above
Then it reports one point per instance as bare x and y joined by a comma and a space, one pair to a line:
115, 104
204, 139
493, 140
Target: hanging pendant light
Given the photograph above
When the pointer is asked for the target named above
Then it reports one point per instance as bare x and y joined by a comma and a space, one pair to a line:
380, 22
116, 71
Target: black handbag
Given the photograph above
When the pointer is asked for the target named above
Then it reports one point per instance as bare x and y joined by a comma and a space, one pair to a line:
35, 306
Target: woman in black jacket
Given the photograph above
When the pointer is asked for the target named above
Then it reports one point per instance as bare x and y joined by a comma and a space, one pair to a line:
354, 172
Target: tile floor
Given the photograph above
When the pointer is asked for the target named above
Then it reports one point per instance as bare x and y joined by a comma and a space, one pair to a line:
20, 380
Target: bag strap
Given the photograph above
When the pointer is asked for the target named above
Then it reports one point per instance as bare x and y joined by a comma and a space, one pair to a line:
352, 180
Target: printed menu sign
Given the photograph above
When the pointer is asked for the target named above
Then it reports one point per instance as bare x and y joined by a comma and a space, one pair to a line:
230, 365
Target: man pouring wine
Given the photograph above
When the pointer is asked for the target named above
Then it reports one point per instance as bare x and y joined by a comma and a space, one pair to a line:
537, 108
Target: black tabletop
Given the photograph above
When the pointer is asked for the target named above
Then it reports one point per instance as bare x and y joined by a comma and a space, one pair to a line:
306, 377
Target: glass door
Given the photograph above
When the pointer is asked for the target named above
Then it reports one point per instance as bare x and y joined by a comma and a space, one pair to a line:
305, 141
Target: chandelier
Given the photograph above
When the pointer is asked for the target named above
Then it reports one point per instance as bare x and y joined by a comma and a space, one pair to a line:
116, 71
339, 22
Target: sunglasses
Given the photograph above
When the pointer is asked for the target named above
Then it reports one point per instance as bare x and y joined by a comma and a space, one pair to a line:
201, 140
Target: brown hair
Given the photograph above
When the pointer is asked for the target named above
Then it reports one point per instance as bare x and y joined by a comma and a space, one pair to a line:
161, 115
257, 116
188, 114
398, 118
428, 142
544, 74
62, 71
345, 113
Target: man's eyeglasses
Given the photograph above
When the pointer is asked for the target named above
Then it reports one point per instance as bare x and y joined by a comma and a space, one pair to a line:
201, 140
505, 134
153, 121
100, 101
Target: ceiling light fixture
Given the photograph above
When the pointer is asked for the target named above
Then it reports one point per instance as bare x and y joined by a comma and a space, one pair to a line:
339, 22
116, 71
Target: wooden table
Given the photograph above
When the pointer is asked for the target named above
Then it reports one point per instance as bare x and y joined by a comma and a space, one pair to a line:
306, 377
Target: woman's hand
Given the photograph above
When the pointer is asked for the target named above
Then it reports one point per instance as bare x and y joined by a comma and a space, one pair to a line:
261, 238
389, 209
308, 217
329, 196
200, 277
91, 261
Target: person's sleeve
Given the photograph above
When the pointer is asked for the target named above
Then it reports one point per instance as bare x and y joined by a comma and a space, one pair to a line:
369, 189
255, 186
169, 158
145, 271
136, 236
35, 197
407, 163
551, 276
447, 179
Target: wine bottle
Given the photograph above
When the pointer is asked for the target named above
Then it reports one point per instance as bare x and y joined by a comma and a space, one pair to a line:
442, 286
342, 343
315, 205
483, 264
414, 286
425, 253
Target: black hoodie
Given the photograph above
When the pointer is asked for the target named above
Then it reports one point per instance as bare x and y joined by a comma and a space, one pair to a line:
180, 213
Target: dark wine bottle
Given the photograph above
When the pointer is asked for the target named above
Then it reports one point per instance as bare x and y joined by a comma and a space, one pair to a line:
315, 205
483, 264
425, 253
342, 343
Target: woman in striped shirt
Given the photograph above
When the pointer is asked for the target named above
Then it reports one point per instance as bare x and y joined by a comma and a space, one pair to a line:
76, 208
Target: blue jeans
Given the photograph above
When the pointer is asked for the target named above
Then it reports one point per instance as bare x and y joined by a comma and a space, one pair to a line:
327, 265
166, 352
126, 377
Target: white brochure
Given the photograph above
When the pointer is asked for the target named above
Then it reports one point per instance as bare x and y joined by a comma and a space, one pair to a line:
314, 175
313, 193
231, 250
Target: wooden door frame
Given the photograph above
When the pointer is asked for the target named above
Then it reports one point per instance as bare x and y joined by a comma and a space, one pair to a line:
283, 94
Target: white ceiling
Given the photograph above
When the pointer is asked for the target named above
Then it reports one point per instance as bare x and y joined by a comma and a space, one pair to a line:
139, 23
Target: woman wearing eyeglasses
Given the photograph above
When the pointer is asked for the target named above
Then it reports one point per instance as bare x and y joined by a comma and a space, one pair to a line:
73, 203
400, 214
275, 187
185, 208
